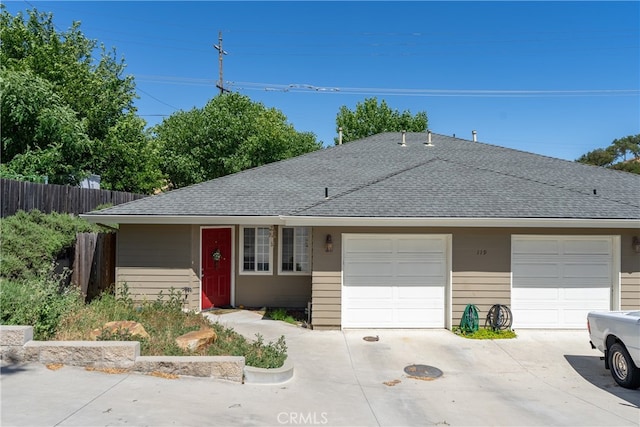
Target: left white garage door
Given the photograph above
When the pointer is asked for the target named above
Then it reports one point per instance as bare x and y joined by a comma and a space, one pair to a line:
394, 281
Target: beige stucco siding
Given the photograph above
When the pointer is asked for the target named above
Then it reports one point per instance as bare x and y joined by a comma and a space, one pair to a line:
155, 258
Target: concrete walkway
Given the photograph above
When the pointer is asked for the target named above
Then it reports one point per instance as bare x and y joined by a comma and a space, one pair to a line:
542, 378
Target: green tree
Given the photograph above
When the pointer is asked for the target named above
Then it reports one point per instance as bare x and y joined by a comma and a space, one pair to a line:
66, 111
127, 158
622, 154
229, 134
41, 135
92, 87
370, 118
598, 157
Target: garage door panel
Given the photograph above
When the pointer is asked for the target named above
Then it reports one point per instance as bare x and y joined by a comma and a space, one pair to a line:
592, 272
411, 317
360, 317
428, 296
542, 318
535, 295
361, 272
536, 247
587, 247
365, 293
577, 281
532, 271
407, 246
414, 272
586, 296
363, 245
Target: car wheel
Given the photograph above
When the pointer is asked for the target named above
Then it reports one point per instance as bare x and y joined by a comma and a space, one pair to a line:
623, 370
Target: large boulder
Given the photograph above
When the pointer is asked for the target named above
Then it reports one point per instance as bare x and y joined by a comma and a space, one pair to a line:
196, 340
134, 329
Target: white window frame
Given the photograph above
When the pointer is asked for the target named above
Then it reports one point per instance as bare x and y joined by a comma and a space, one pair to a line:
255, 272
309, 254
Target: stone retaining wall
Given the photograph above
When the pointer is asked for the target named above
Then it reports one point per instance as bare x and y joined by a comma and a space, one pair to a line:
17, 345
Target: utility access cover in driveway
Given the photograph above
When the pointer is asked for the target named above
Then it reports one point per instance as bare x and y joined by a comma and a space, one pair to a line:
422, 372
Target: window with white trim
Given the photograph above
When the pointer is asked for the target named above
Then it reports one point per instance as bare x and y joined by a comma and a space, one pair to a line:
256, 250
295, 250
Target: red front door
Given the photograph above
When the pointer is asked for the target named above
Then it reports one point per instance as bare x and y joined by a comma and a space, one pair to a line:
216, 267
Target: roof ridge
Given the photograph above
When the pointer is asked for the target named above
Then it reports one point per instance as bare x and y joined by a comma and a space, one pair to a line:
364, 185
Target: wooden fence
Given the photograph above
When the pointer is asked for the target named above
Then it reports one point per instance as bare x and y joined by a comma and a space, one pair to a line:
94, 263
47, 198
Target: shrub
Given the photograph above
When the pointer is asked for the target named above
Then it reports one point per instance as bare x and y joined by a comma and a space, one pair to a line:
39, 302
32, 241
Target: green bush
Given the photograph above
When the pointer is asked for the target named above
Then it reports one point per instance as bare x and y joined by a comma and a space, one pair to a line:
39, 302
257, 353
32, 241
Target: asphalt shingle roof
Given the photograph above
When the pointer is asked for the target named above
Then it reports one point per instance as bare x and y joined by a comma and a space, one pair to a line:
377, 177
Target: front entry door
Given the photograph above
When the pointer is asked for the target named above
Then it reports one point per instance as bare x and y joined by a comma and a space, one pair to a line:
216, 267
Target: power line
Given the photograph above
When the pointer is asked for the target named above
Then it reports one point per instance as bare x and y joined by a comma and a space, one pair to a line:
308, 88
159, 100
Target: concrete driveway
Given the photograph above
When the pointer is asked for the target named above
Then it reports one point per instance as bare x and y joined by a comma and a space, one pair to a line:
542, 378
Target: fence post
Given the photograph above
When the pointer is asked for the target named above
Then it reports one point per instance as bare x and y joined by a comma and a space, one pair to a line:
83, 260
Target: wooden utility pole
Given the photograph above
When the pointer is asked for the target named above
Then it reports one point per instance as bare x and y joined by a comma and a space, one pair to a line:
221, 53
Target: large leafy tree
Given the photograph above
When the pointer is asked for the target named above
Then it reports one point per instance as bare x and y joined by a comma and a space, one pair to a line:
65, 103
370, 118
41, 135
229, 134
621, 154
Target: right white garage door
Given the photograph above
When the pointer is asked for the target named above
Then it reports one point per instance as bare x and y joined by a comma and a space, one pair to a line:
557, 280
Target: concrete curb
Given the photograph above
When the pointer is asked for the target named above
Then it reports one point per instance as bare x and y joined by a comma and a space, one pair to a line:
280, 375
16, 345
228, 368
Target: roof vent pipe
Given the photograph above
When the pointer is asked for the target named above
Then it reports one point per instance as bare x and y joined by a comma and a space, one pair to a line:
475, 135
404, 138
429, 144
339, 136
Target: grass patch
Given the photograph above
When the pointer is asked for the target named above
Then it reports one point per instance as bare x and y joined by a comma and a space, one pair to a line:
486, 334
289, 315
164, 321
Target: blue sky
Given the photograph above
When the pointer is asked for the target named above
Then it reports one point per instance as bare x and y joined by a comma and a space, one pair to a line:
554, 78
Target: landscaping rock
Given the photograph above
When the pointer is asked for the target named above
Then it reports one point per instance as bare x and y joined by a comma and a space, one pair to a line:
135, 329
196, 340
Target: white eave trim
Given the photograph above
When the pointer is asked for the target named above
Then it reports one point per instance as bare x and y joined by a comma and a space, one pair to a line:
182, 219
310, 221
462, 222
